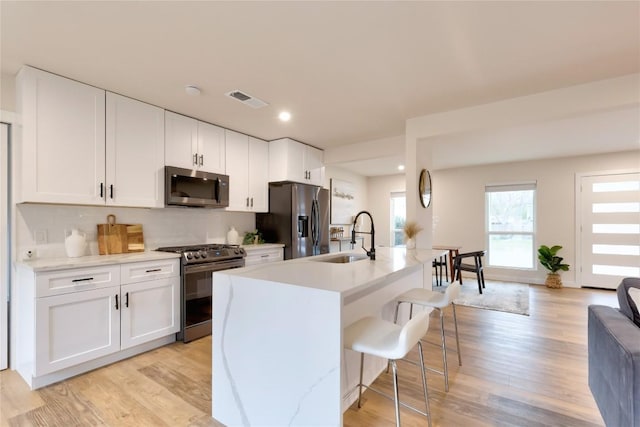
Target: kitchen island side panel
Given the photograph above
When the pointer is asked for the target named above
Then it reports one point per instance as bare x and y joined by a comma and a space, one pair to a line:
276, 353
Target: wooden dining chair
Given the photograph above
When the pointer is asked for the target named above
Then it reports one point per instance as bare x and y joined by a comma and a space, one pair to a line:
476, 267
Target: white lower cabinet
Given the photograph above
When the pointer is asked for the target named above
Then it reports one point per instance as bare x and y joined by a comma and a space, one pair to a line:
150, 310
75, 328
74, 320
261, 254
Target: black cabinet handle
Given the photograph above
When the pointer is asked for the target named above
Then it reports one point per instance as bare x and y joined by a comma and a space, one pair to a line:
126, 300
111, 191
195, 159
154, 270
86, 279
252, 202
101, 190
201, 159
116, 301
247, 202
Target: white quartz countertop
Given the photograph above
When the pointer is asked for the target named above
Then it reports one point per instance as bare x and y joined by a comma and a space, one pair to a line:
249, 248
348, 278
50, 264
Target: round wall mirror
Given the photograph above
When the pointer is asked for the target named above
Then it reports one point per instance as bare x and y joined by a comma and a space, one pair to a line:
424, 188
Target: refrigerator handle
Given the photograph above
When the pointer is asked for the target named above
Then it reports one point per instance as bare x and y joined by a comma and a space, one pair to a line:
314, 222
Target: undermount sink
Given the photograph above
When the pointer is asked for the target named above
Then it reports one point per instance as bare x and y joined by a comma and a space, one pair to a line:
342, 259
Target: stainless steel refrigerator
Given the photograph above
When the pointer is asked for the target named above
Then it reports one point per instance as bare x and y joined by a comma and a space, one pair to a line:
298, 217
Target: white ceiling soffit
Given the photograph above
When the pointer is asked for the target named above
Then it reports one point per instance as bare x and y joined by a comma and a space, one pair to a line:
600, 132
347, 71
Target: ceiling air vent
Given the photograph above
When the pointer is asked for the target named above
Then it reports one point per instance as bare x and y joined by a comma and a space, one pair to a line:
246, 99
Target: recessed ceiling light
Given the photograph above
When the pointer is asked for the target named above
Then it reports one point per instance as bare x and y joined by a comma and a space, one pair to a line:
400, 167
285, 116
192, 90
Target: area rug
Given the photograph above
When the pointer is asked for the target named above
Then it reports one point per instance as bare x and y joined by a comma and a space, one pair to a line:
498, 296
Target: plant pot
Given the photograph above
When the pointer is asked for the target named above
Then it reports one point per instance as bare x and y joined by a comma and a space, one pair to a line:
553, 281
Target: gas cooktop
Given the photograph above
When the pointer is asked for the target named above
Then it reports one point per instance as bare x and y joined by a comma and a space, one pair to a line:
192, 254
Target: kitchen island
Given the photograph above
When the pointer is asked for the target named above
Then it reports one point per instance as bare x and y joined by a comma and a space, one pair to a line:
277, 333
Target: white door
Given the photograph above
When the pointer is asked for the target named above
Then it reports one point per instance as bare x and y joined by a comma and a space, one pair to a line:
609, 232
63, 141
237, 152
181, 141
135, 153
211, 148
75, 328
258, 175
4, 245
150, 310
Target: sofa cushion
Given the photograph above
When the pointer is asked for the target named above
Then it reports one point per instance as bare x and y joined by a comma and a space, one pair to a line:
627, 306
634, 294
614, 365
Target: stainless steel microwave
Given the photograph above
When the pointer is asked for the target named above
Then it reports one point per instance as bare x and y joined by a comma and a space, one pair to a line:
186, 187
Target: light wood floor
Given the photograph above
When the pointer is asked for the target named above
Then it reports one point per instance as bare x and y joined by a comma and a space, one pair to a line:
516, 371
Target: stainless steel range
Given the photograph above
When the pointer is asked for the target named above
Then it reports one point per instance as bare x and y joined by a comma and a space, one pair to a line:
198, 263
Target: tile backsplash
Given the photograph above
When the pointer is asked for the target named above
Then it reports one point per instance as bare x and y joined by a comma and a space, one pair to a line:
42, 227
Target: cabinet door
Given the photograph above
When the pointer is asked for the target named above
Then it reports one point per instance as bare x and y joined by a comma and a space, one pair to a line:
258, 175
75, 328
314, 166
150, 310
135, 153
286, 158
181, 140
237, 153
63, 139
211, 148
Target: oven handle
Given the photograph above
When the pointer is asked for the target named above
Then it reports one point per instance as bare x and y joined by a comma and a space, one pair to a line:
214, 266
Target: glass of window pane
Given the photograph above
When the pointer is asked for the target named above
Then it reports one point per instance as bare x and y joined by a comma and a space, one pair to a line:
511, 250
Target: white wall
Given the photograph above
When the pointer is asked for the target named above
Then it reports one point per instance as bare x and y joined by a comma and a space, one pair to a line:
161, 227
360, 185
459, 205
379, 190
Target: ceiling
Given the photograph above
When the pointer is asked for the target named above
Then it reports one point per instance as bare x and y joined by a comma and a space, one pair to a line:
347, 71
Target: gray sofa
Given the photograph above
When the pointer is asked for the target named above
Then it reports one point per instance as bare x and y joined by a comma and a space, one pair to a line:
614, 358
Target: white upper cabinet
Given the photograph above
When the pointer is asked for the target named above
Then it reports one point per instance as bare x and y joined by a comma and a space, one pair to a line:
192, 144
247, 167
290, 160
62, 148
135, 153
81, 145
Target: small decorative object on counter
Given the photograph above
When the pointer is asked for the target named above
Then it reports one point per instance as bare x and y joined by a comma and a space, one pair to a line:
75, 243
252, 238
411, 230
232, 236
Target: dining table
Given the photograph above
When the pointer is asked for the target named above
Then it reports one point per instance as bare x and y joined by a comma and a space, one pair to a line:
454, 251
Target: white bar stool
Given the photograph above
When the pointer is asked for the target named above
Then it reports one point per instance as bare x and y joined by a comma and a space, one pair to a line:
390, 341
438, 301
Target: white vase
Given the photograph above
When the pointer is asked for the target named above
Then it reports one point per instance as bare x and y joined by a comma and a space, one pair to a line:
232, 236
75, 244
411, 243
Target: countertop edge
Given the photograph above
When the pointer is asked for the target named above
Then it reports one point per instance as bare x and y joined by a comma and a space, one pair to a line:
52, 264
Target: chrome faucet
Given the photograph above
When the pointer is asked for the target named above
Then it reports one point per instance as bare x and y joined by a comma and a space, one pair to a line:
372, 252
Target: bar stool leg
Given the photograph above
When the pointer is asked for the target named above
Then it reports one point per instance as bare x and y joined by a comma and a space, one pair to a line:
455, 324
360, 383
395, 391
424, 383
444, 351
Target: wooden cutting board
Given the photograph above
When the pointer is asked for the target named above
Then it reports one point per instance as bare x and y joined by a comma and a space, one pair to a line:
116, 238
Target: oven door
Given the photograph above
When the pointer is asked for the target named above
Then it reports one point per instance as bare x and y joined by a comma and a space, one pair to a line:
197, 297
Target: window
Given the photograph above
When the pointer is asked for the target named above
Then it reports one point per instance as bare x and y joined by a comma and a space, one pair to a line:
398, 217
510, 216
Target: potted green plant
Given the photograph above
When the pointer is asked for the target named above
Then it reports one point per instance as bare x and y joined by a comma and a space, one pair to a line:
551, 261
